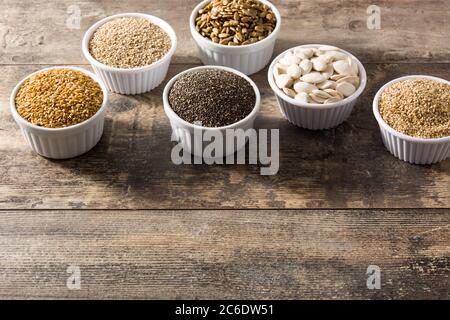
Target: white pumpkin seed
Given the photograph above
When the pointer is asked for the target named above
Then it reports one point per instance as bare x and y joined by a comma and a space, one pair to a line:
342, 67
328, 72
279, 69
316, 98
332, 100
353, 66
301, 86
319, 64
327, 84
290, 59
284, 81
304, 53
306, 66
328, 48
294, 71
337, 77
313, 77
347, 89
335, 55
334, 93
354, 80
302, 97
291, 93
322, 94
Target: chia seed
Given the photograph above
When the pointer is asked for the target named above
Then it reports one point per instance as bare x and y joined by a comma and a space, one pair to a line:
216, 98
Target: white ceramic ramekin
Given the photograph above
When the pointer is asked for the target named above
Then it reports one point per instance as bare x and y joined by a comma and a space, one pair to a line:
315, 116
407, 148
134, 80
62, 143
248, 59
185, 132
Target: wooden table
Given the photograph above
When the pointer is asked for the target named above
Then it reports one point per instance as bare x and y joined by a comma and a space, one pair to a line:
139, 226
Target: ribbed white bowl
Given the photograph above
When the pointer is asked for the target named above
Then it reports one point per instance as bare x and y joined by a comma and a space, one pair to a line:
407, 148
62, 143
185, 132
135, 80
248, 59
311, 115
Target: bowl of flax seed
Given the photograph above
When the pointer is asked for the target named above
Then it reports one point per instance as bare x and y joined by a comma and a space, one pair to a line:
60, 111
413, 114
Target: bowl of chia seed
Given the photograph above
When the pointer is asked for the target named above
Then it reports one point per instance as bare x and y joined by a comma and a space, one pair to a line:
130, 52
211, 101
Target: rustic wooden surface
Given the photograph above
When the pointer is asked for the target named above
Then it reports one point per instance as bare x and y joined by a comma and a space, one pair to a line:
232, 254
140, 227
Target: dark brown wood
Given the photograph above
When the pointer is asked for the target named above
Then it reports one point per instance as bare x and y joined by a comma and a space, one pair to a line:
225, 254
131, 168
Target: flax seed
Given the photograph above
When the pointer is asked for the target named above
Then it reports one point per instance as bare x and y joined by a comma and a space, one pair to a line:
58, 98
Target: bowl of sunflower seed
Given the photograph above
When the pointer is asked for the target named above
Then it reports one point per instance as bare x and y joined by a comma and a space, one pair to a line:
238, 34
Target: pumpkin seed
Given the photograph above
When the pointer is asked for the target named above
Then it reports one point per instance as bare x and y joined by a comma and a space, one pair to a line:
318, 75
313, 77
302, 97
346, 88
306, 87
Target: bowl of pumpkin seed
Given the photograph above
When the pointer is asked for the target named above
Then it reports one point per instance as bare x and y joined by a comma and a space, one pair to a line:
238, 34
317, 86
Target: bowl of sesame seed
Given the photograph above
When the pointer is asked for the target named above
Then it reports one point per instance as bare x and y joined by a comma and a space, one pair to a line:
60, 111
413, 113
130, 52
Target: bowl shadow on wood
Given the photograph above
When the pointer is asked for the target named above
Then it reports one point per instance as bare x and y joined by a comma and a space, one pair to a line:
327, 165
338, 168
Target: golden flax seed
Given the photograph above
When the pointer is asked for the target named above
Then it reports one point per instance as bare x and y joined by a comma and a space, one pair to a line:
419, 108
129, 43
58, 98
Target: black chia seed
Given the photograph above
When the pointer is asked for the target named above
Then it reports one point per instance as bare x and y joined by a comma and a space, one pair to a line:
216, 98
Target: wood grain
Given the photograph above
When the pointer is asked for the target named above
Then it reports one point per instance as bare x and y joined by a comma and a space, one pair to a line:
127, 216
347, 167
225, 254
46, 32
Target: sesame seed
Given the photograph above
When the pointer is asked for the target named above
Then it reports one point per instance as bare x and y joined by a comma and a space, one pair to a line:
129, 43
419, 108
